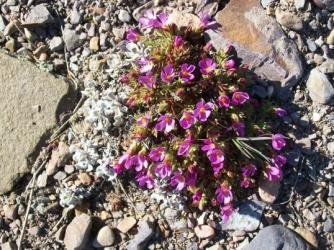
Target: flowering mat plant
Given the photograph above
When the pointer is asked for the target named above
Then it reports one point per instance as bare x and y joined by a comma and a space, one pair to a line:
199, 131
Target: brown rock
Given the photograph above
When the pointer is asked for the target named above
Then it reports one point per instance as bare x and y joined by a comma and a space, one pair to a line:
94, 43
8, 246
309, 236
184, 20
77, 232
330, 38
269, 190
10, 45
204, 231
85, 179
259, 41
10, 211
59, 157
126, 224
289, 20
30, 101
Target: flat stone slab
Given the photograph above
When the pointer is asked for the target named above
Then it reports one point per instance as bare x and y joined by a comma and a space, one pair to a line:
246, 217
30, 102
259, 41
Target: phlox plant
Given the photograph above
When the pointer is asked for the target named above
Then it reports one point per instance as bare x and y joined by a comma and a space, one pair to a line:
198, 129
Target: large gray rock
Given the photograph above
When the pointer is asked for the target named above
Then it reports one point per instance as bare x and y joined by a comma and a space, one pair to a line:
78, 232
277, 237
324, 4
259, 41
71, 39
246, 217
30, 102
38, 15
320, 88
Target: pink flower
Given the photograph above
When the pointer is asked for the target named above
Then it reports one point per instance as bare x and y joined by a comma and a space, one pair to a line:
178, 42
140, 162
185, 146
205, 20
157, 154
166, 123
280, 112
178, 181
207, 66
224, 101
248, 170
239, 98
197, 196
274, 173
226, 211
126, 161
208, 146
279, 160
118, 168
151, 19
144, 121
145, 180
163, 170
239, 128
224, 194
132, 35
188, 119
186, 72
191, 177
167, 75
216, 156
245, 182
146, 65
230, 64
149, 80
278, 141
217, 168
203, 110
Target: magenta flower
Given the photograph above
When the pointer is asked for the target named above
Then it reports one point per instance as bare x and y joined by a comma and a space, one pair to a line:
226, 211
278, 141
239, 98
146, 65
185, 146
144, 121
191, 177
207, 66
205, 20
245, 182
118, 168
186, 72
140, 162
126, 161
157, 154
274, 173
188, 119
197, 196
178, 181
203, 110
224, 194
163, 170
249, 170
132, 35
279, 160
145, 180
280, 112
167, 75
149, 80
230, 64
151, 19
217, 168
224, 101
239, 128
208, 146
178, 42
166, 123
216, 156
